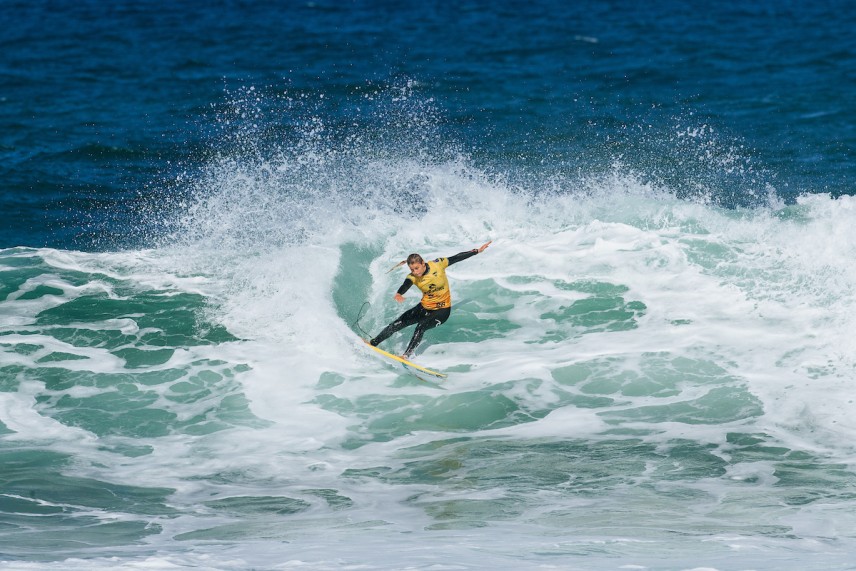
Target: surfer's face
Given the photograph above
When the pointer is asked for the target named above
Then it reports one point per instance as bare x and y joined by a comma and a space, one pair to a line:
417, 268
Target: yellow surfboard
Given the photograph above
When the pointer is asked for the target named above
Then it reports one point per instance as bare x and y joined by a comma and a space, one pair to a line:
409, 366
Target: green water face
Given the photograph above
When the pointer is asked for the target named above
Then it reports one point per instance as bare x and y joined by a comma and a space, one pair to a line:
143, 328
352, 284
45, 513
572, 485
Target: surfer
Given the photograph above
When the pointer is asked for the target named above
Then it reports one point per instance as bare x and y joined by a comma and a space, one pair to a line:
436, 304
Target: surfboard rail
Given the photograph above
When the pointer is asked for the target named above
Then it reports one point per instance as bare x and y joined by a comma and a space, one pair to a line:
408, 365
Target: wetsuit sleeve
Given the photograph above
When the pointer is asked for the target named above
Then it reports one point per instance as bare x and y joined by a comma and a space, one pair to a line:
462, 256
405, 286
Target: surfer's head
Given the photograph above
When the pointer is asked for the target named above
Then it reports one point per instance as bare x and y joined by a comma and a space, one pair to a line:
416, 264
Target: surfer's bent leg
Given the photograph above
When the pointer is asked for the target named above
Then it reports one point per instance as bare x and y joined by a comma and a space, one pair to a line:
431, 320
406, 319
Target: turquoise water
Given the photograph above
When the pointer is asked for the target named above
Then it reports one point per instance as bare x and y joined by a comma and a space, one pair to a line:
650, 368
634, 382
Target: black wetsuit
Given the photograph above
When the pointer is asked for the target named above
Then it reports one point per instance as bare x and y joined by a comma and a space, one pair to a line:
423, 318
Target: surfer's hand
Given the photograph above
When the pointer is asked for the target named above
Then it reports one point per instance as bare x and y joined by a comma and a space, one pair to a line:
485, 245
399, 298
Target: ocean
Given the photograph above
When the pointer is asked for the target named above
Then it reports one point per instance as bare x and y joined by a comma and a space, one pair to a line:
651, 368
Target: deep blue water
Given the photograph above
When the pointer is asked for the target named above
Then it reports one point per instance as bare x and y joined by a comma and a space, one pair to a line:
103, 104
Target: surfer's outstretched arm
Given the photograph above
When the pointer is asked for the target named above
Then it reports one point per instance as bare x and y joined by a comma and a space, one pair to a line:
468, 254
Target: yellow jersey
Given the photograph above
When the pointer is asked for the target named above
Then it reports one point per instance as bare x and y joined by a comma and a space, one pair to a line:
434, 285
